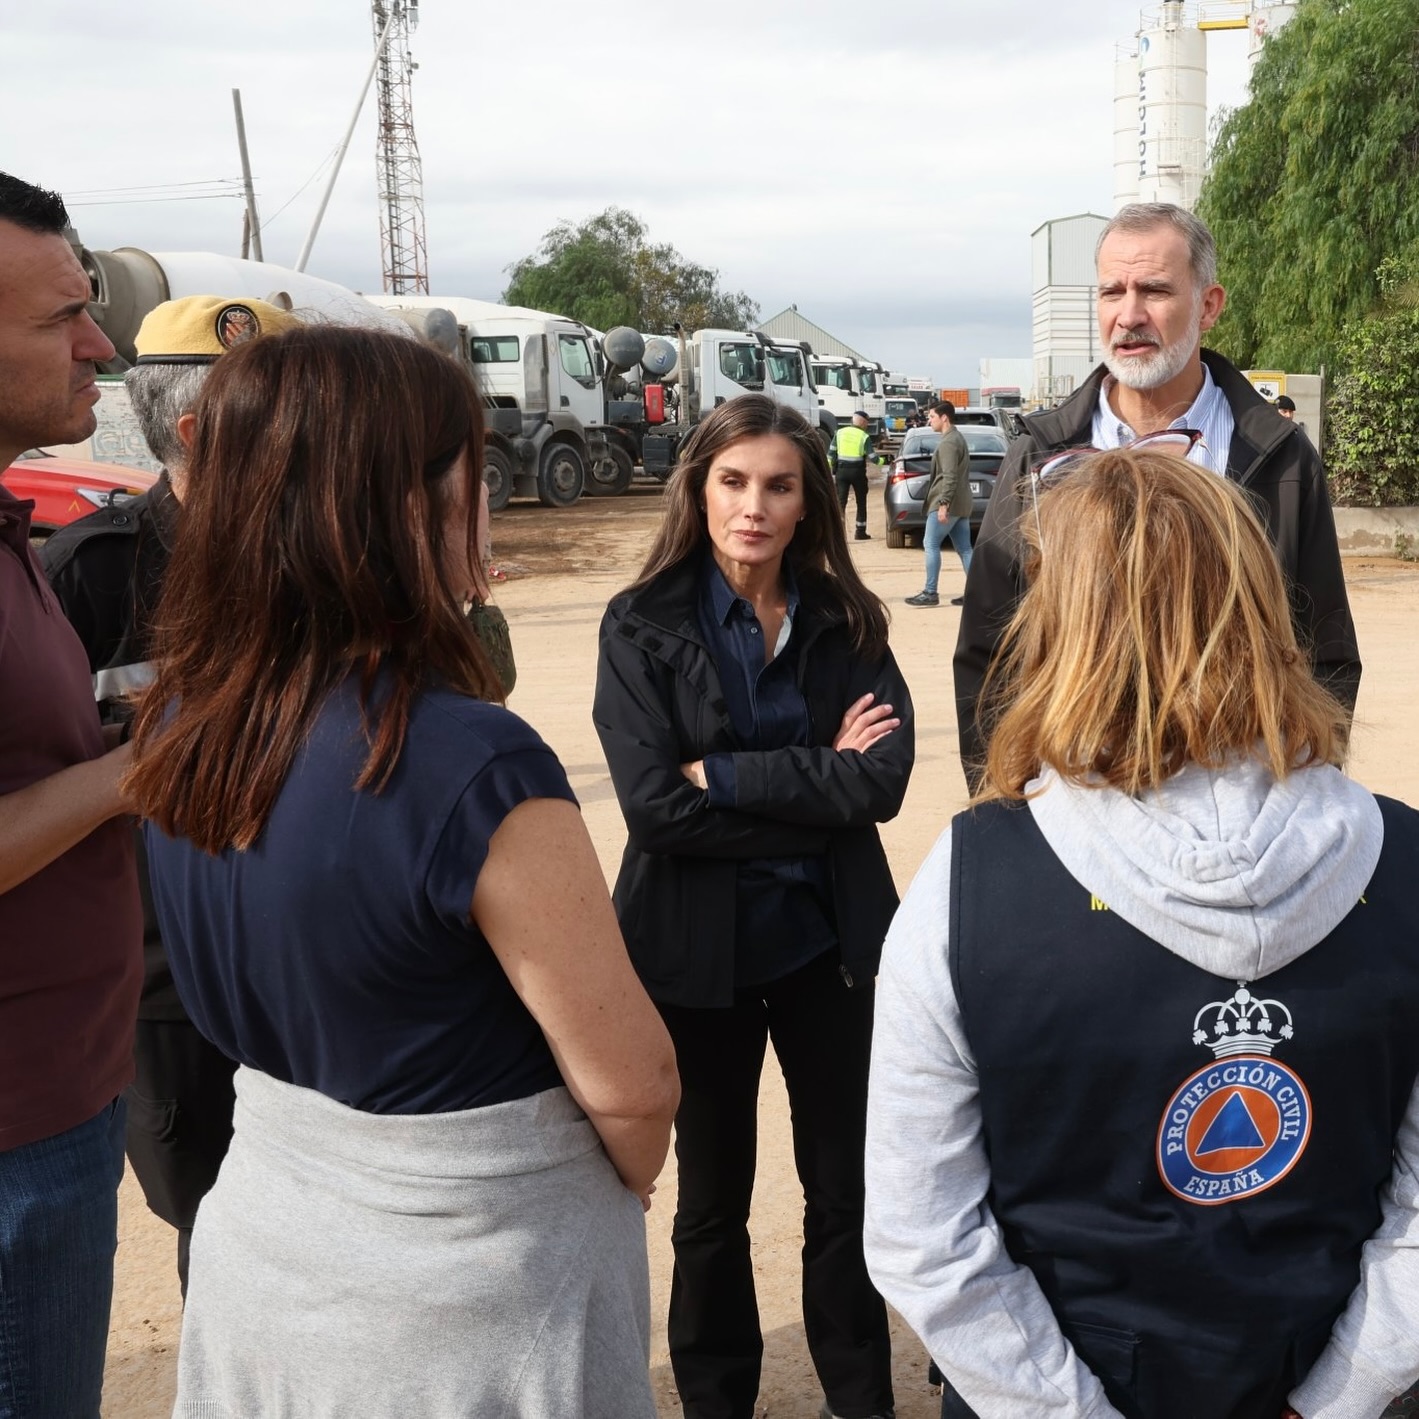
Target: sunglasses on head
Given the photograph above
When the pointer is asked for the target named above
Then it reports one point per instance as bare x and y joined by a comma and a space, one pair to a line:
1051, 468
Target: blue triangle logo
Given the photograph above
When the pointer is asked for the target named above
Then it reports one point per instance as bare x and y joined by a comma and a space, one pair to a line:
1232, 1128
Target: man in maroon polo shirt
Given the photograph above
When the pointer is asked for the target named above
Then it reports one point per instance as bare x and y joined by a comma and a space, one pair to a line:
70, 920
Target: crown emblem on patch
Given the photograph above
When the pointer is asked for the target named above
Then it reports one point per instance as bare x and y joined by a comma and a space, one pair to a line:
1242, 1024
235, 325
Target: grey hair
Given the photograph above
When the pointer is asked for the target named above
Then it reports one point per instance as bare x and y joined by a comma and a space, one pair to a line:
1140, 217
161, 394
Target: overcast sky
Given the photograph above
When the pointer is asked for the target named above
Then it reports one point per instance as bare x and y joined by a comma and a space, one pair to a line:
880, 167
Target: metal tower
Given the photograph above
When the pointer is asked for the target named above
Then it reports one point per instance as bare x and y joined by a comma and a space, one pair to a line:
401, 174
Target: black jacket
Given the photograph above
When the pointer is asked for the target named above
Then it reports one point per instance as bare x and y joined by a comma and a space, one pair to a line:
107, 572
1269, 457
659, 704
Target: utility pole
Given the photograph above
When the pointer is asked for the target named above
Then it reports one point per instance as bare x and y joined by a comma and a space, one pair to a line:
401, 174
251, 233
381, 39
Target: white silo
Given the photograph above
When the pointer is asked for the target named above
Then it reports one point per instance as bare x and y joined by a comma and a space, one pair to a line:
1172, 107
1263, 22
1125, 125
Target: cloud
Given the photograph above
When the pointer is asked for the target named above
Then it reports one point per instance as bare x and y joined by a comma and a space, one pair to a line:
882, 168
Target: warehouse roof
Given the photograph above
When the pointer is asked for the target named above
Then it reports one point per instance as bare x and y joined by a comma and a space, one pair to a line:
789, 325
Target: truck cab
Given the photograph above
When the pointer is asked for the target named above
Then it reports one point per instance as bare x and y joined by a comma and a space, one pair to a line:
791, 382
716, 366
871, 377
539, 376
922, 390
836, 378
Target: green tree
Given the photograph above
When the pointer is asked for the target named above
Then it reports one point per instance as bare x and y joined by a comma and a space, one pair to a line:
1373, 443
605, 272
1313, 182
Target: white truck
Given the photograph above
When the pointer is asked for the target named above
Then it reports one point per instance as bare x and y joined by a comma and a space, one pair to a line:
539, 375
850, 386
546, 451
709, 368
921, 389
873, 376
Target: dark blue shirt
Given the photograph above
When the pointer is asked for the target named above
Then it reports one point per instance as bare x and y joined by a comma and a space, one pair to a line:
338, 953
782, 916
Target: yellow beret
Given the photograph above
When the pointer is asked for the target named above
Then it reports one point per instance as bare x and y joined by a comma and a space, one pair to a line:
197, 329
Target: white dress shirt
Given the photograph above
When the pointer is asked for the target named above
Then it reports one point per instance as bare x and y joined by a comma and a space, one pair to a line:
1210, 414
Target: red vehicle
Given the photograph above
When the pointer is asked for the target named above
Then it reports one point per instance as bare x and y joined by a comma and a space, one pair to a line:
66, 489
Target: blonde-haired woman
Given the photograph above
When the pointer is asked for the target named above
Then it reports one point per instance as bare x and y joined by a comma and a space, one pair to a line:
1143, 1133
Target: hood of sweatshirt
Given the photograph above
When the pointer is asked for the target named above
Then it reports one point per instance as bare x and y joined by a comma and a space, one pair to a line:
1236, 871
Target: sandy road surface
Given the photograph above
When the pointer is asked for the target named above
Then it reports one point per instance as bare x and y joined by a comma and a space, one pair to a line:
563, 568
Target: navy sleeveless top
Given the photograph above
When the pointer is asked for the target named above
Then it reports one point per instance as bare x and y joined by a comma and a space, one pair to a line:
338, 953
1189, 1165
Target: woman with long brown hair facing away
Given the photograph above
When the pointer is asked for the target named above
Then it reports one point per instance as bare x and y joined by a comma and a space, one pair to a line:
454, 1095
757, 731
1143, 1134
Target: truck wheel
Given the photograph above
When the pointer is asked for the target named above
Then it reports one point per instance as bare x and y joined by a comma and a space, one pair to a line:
618, 482
897, 537
497, 474
561, 475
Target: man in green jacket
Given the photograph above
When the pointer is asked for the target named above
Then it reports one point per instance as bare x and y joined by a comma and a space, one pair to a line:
852, 447
948, 502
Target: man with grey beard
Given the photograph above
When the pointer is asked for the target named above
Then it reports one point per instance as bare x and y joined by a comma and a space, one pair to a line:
1157, 296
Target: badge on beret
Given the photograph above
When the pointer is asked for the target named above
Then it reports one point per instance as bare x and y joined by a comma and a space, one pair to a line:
235, 325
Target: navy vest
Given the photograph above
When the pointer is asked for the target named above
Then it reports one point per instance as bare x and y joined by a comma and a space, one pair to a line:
1189, 1165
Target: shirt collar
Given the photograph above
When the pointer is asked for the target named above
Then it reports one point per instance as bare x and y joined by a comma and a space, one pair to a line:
724, 600
15, 522
1112, 432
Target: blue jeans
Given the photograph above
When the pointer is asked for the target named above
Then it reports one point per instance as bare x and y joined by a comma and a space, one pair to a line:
958, 529
58, 1233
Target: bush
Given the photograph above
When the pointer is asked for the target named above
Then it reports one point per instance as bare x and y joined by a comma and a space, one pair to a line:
1372, 434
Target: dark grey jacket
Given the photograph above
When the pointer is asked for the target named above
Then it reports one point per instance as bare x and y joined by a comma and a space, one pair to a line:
1270, 458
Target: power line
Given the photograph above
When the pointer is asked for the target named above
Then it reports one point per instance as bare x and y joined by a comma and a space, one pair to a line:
138, 201
324, 163
159, 186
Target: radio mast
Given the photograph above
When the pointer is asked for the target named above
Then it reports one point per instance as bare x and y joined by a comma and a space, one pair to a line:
403, 246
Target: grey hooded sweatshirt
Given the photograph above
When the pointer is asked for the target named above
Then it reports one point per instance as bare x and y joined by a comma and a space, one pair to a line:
1237, 873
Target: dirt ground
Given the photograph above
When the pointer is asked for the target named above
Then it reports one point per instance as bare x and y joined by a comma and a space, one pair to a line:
563, 566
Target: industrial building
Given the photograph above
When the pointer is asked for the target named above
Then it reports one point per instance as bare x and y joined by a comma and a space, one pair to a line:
789, 325
1064, 288
1160, 155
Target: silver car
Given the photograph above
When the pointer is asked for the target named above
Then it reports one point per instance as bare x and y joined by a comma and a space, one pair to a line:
905, 490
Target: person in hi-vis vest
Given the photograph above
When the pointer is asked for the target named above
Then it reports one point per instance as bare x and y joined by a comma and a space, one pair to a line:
851, 448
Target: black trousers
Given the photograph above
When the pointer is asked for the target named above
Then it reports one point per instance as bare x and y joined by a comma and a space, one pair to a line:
179, 1122
822, 1035
851, 476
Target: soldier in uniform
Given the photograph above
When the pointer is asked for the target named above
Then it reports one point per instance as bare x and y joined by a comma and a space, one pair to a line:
107, 571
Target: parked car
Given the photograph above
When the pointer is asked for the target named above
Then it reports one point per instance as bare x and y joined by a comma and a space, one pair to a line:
986, 417
904, 493
66, 489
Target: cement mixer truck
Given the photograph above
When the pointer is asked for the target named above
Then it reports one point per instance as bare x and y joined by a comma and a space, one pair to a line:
540, 376
658, 388
537, 441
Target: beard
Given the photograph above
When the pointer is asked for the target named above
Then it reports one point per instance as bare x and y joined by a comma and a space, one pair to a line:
1150, 371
